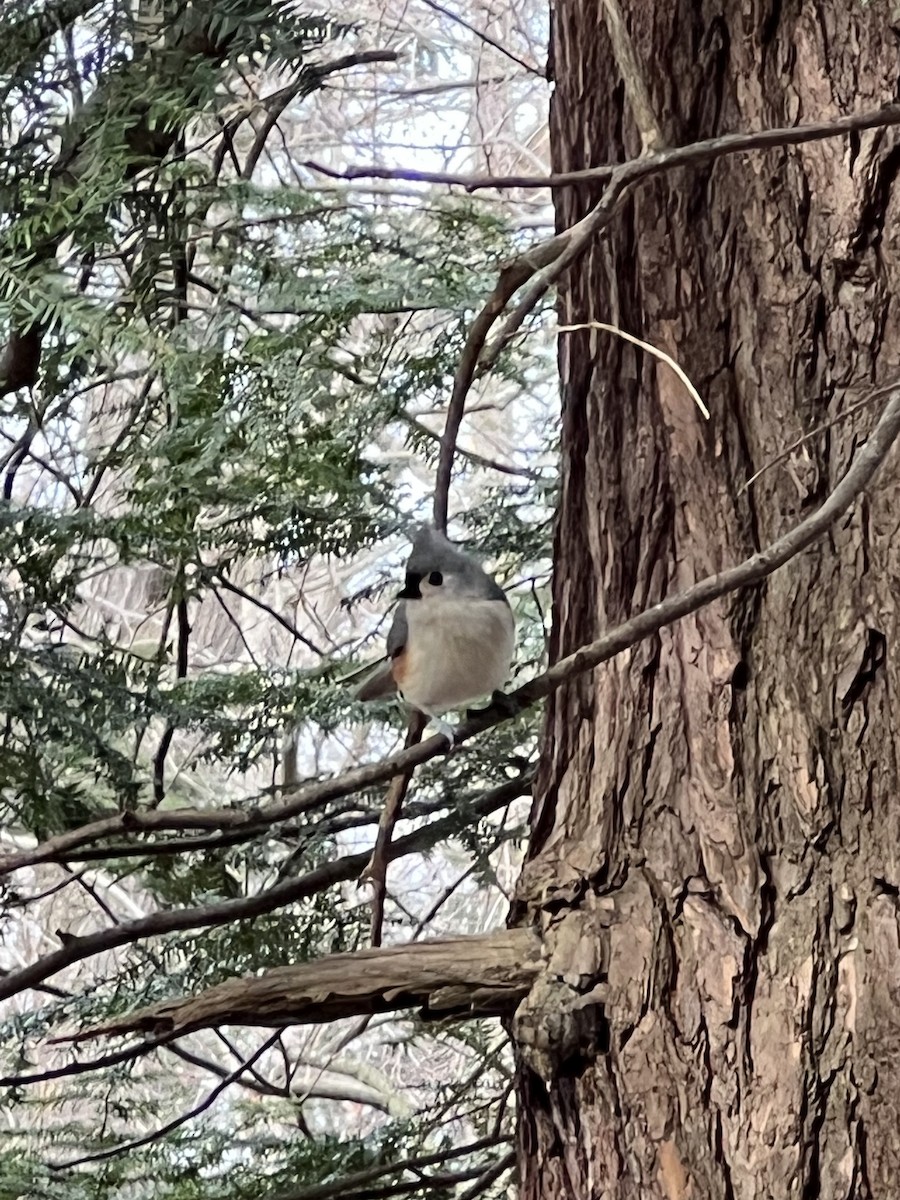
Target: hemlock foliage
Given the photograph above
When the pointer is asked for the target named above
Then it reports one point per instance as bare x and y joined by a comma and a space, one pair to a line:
218, 390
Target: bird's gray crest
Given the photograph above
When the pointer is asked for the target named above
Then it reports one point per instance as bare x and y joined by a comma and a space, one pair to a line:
432, 551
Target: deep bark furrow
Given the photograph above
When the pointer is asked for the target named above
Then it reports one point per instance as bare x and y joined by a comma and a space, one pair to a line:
731, 784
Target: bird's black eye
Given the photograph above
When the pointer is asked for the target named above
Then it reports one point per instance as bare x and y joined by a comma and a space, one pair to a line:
435, 579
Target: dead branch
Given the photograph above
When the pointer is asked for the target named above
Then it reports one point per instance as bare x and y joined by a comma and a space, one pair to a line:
443, 1184
695, 153
484, 975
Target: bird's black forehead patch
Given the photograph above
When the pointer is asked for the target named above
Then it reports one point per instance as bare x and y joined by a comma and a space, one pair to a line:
411, 589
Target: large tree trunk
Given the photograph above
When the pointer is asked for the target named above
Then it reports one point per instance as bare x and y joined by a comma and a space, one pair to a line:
728, 794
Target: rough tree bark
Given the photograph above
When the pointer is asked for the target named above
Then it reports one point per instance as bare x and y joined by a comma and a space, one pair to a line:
731, 785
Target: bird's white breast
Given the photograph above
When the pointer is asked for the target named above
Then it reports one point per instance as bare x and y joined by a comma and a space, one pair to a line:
458, 650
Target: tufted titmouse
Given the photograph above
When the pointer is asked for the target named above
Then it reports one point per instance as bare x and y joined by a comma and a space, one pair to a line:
453, 633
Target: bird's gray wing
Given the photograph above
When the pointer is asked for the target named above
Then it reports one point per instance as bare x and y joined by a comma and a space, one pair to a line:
381, 682
398, 632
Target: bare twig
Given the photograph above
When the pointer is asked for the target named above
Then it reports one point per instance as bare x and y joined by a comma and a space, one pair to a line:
375, 870
442, 1185
355, 1093
704, 151
204, 1104
485, 37
480, 460
807, 437
577, 240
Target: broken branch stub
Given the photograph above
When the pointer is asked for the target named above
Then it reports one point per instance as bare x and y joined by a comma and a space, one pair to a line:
486, 975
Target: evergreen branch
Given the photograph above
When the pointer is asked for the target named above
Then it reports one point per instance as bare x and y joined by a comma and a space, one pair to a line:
693, 154
26, 39
749, 573
69, 846
335, 1190
341, 870
434, 1184
148, 142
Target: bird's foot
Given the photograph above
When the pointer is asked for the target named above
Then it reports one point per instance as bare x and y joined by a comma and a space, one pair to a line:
500, 703
446, 730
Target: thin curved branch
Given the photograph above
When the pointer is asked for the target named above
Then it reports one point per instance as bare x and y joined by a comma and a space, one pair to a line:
486, 38
128, 1054
169, 1127
707, 150
512, 276
375, 870
273, 613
